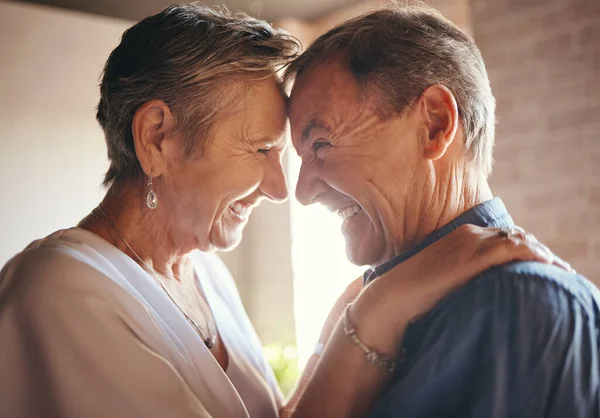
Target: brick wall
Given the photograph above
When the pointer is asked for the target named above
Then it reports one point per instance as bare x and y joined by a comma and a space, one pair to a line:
543, 59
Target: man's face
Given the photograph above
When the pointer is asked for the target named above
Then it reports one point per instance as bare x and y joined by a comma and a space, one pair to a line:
371, 172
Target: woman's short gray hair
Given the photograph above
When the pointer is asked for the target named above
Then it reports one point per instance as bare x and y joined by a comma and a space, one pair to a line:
187, 56
396, 53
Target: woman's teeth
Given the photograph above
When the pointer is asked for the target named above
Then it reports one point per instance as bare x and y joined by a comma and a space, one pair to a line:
349, 212
241, 210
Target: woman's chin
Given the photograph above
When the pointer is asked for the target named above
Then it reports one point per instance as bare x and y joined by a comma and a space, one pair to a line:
228, 240
230, 247
226, 233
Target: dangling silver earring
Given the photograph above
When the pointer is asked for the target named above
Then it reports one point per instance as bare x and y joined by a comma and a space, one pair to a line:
151, 197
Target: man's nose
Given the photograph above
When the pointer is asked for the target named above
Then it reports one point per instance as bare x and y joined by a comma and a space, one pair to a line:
309, 185
274, 186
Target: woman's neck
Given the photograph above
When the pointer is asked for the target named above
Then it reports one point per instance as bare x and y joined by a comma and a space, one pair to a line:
124, 220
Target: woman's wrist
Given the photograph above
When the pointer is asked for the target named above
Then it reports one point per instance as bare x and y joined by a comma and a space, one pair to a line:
391, 298
385, 361
379, 324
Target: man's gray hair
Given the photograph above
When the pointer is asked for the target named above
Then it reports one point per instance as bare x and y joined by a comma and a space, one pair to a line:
189, 56
396, 53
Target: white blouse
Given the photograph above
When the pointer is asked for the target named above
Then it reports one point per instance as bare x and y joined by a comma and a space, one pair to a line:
86, 332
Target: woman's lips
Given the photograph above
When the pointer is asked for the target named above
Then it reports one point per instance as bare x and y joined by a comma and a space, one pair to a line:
241, 210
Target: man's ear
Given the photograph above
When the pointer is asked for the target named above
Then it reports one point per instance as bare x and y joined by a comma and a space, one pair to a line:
152, 123
440, 114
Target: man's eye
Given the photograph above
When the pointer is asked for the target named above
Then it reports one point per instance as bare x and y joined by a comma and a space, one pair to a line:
319, 144
264, 150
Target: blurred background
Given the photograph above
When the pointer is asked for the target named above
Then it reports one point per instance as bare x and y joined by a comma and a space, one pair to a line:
543, 59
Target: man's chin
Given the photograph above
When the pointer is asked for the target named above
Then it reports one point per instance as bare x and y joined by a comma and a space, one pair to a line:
364, 246
361, 253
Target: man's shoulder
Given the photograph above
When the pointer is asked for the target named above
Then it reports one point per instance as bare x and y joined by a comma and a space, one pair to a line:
529, 293
520, 304
536, 283
518, 289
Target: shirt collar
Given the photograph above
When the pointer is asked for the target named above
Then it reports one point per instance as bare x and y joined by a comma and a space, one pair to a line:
491, 213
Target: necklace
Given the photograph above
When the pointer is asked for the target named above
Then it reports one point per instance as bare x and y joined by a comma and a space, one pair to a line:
208, 341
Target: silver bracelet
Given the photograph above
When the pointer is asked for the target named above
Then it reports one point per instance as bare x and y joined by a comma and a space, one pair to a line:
373, 356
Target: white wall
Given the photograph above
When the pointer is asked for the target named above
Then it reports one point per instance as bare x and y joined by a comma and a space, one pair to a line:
52, 152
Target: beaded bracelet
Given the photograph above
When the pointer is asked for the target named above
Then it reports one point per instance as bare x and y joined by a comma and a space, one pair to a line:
373, 356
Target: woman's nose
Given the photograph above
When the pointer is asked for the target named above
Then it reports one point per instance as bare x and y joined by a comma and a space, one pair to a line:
274, 185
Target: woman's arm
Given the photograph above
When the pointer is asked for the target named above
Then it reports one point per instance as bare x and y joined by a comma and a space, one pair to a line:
344, 383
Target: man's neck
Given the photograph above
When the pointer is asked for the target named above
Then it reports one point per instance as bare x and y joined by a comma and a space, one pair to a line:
458, 201
448, 199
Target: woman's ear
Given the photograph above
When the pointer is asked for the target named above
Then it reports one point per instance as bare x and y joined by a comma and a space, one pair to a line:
440, 114
152, 123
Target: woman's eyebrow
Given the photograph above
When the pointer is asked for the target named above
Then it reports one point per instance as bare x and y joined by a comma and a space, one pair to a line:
270, 142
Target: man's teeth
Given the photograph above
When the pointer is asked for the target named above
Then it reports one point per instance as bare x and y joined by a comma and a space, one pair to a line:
349, 212
241, 210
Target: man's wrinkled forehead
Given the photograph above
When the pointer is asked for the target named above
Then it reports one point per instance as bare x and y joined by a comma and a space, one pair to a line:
326, 92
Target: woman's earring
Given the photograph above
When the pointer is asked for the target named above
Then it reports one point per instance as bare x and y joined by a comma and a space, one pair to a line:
151, 197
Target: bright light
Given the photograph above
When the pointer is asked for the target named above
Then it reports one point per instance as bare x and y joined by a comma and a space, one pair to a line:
321, 269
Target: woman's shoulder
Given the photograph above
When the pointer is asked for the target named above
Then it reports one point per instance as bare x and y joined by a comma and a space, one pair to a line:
62, 248
62, 264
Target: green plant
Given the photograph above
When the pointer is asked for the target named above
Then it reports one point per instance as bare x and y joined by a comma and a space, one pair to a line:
283, 359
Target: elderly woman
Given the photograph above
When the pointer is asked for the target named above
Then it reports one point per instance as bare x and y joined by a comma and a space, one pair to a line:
128, 314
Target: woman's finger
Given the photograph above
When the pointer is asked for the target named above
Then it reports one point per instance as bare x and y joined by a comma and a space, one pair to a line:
524, 250
521, 245
559, 262
549, 255
564, 265
514, 232
507, 245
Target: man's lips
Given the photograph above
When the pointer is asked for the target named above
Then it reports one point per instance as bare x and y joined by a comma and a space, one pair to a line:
345, 209
349, 212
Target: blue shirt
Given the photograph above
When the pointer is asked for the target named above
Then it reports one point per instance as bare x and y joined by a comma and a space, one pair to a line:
520, 340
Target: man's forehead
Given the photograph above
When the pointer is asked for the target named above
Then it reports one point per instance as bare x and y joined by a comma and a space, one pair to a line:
324, 79
309, 91
321, 90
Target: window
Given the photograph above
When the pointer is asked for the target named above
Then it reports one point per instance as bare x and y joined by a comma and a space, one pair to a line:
321, 269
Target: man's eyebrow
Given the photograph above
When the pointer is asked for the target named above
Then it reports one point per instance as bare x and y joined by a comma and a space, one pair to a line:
314, 124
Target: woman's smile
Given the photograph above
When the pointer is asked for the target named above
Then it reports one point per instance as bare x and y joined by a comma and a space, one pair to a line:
240, 210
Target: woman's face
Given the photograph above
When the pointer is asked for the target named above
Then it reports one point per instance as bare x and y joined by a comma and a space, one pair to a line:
210, 198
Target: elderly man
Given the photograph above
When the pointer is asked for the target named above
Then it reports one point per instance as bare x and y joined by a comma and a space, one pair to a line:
393, 117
